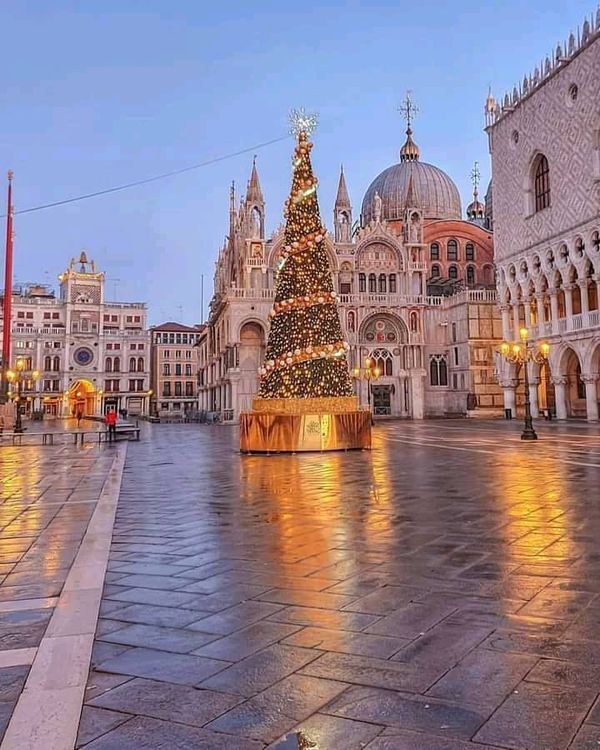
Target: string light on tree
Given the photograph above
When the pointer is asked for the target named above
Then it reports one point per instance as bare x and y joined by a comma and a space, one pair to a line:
306, 352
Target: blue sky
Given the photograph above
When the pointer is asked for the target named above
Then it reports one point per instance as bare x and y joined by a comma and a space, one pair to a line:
97, 94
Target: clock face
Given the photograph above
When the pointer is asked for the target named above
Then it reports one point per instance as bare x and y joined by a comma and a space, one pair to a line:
83, 356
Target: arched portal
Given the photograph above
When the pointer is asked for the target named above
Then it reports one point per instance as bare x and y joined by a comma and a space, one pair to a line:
251, 354
575, 387
82, 398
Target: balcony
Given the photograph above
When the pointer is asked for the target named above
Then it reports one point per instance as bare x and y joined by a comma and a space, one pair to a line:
264, 294
389, 300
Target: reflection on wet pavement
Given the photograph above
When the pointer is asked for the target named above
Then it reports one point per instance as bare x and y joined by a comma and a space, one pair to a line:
47, 497
439, 593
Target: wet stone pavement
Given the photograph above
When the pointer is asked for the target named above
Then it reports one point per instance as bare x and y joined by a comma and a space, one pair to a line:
47, 497
439, 593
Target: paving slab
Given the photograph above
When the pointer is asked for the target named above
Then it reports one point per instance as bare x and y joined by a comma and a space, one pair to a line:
400, 599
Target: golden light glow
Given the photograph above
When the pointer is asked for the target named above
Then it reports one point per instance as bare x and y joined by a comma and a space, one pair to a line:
545, 348
524, 334
516, 349
20, 364
504, 348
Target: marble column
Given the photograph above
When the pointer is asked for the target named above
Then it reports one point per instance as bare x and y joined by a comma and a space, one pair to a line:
516, 323
591, 396
585, 303
568, 288
510, 401
554, 310
539, 300
560, 391
533, 396
504, 310
527, 308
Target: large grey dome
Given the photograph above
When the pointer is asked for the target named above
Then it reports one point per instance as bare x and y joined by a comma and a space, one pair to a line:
433, 192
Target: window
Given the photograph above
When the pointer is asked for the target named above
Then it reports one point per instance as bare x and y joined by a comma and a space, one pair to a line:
178, 391
362, 282
20, 315
178, 354
453, 332
56, 364
166, 389
434, 251
47, 363
117, 364
132, 385
435, 271
470, 275
372, 283
188, 370
188, 354
46, 316
456, 355
140, 364
382, 283
55, 316
166, 369
541, 185
438, 370
109, 347
166, 354
345, 288
469, 251
453, 272
452, 250
131, 365
133, 347
178, 369
392, 283
140, 385
108, 364
189, 389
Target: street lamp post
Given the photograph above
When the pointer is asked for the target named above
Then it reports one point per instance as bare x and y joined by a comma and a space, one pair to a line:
521, 354
18, 377
369, 372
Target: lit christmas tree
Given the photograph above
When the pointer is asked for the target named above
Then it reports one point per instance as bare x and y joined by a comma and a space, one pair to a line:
306, 352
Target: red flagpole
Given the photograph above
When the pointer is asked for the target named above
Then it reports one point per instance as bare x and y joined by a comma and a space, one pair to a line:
7, 309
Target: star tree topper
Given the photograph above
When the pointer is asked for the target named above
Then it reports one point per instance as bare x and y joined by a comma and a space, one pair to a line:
302, 121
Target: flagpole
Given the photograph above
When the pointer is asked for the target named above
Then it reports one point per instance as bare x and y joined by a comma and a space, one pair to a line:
8, 263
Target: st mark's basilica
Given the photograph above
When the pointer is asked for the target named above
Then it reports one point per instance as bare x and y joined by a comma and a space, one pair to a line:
416, 290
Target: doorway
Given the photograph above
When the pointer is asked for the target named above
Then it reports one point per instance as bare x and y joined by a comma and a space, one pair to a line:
382, 400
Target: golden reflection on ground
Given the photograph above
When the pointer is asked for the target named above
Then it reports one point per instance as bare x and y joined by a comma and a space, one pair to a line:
531, 491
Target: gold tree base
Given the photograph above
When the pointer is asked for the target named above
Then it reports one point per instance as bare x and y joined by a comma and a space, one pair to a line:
324, 405
262, 432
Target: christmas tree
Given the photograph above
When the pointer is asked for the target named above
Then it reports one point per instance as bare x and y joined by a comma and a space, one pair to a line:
306, 352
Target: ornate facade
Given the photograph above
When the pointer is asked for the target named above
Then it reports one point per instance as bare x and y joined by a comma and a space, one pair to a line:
545, 145
392, 270
90, 354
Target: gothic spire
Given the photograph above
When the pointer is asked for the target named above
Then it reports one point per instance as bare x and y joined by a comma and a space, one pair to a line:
342, 199
254, 193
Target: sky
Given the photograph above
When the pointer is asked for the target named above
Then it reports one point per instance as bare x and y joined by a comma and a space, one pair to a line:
100, 93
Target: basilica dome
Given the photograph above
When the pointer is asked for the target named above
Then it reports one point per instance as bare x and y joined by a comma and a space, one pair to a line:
431, 189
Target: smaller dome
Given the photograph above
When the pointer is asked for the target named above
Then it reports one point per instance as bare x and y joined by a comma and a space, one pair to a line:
476, 209
410, 150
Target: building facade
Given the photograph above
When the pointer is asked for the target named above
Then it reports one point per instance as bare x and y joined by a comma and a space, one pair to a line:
91, 355
392, 270
174, 370
544, 140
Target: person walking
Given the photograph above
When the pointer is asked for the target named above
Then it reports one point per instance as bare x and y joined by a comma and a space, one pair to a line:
111, 423
79, 417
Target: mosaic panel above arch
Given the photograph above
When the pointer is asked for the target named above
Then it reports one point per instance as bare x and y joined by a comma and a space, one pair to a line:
377, 255
383, 329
